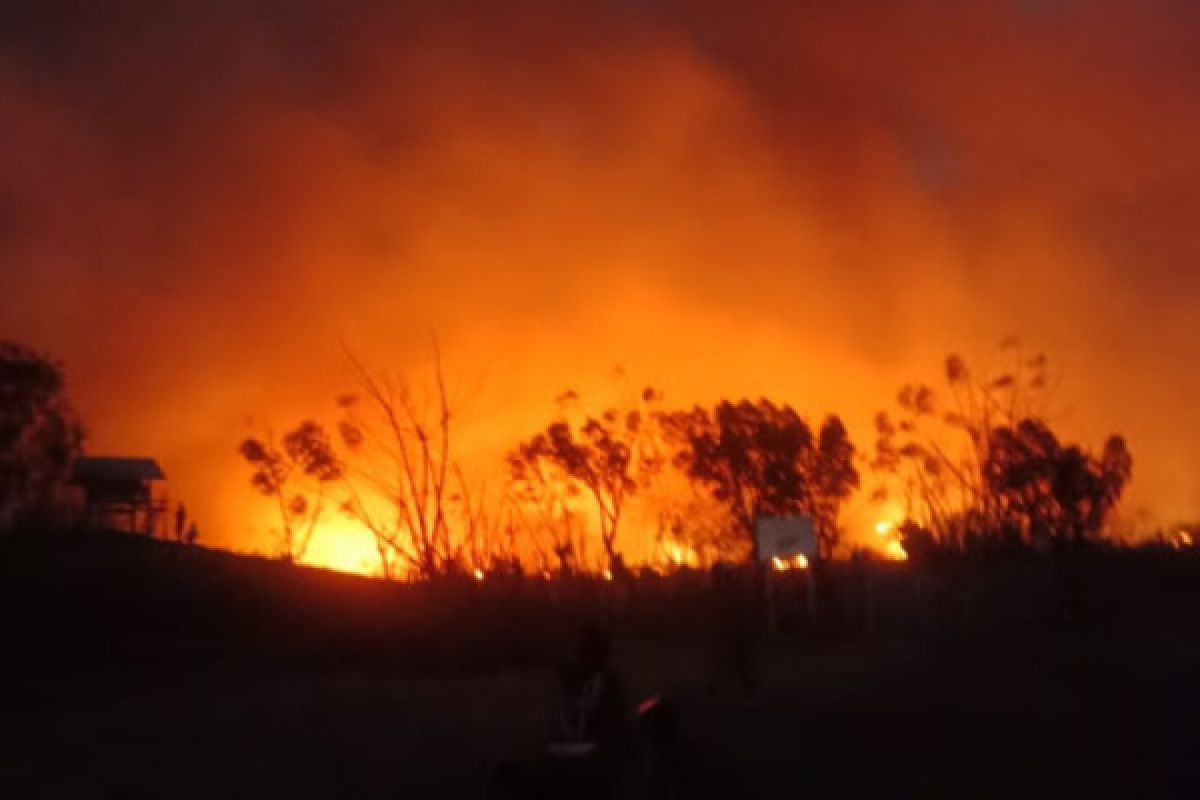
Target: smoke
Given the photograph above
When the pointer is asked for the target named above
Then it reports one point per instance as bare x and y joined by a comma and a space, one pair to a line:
199, 202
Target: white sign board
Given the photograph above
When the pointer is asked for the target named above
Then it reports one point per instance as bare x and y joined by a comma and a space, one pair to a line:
785, 538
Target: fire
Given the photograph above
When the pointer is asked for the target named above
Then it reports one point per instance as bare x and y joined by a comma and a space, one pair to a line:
679, 555
887, 529
345, 546
798, 561
494, 228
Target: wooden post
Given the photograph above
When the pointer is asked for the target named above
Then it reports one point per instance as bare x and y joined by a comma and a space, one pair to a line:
769, 598
810, 587
868, 597
918, 616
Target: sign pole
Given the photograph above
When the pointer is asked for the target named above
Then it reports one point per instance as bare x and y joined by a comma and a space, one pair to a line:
868, 597
810, 585
769, 599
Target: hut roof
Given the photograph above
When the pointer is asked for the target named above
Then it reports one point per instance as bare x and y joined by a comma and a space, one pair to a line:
89, 469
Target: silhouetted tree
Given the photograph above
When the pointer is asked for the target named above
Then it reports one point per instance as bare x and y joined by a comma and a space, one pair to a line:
937, 443
542, 499
489, 532
759, 458
690, 527
608, 457
295, 475
832, 478
977, 460
1043, 489
404, 481
40, 435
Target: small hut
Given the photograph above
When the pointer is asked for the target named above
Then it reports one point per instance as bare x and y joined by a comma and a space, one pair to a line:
121, 494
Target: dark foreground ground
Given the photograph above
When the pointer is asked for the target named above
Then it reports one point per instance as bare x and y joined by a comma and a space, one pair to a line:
1107, 705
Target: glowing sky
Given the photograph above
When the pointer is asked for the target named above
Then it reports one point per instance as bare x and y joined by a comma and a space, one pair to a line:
816, 200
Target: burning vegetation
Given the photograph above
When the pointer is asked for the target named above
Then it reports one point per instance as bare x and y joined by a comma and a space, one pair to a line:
645, 485
974, 466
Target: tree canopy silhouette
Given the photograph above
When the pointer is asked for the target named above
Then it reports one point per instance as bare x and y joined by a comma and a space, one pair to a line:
978, 461
543, 499
1043, 488
295, 474
403, 477
608, 457
40, 435
758, 458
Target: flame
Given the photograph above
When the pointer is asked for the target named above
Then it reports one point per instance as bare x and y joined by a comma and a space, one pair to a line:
345, 546
679, 555
887, 533
796, 562
605, 201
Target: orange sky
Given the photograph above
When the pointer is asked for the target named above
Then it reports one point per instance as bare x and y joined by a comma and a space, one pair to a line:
811, 200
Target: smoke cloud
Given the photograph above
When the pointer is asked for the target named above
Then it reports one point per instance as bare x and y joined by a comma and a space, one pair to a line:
201, 202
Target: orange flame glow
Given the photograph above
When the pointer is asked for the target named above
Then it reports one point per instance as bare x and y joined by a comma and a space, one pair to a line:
557, 188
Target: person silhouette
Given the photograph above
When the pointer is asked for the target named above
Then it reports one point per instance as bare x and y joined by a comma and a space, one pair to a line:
180, 521
592, 714
591, 741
